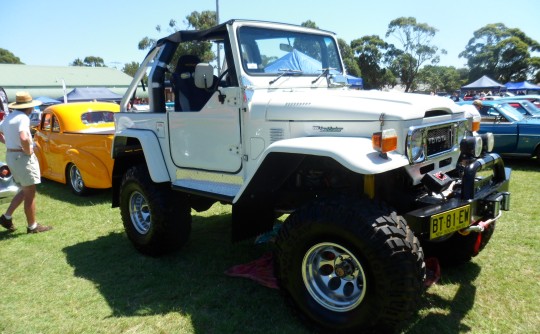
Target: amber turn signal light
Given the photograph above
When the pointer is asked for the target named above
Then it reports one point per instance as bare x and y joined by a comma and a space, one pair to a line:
384, 141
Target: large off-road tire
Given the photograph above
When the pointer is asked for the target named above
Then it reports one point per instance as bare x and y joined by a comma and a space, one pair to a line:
75, 181
349, 266
156, 220
459, 248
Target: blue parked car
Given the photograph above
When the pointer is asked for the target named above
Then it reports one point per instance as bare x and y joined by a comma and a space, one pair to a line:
515, 134
524, 106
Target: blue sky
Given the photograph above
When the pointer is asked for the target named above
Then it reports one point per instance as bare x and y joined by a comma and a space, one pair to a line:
56, 32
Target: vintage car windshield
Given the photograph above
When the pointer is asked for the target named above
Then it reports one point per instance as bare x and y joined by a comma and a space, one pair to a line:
511, 113
270, 52
531, 108
95, 117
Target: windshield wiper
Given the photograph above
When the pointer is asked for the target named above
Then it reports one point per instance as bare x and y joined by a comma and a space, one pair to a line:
285, 71
325, 72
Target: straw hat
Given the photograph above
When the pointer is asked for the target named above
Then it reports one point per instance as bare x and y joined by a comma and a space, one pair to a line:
23, 100
477, 103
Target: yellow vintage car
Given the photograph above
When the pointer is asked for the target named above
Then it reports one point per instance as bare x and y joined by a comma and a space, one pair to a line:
73, 144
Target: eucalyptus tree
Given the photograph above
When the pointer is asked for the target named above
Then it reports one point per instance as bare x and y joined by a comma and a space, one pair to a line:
90, 61
370, 52
7, 57
415, 49
502, 53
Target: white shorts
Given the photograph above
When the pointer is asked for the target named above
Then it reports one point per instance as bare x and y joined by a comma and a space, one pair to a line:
25, 168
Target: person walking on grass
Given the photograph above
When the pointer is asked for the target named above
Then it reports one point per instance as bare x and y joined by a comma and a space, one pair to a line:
20, 157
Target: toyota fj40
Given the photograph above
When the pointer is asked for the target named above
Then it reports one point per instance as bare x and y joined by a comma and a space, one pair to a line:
372, 182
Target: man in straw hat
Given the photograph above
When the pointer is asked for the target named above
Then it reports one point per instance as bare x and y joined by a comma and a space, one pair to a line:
477, 104
20, 157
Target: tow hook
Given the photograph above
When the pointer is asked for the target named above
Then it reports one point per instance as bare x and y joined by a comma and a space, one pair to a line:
492, 207
480, 226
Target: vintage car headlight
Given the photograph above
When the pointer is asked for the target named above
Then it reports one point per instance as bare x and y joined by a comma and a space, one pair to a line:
416, 146
471, 146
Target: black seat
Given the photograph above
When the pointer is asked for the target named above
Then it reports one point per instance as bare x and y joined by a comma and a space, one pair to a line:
187, 97
183, 82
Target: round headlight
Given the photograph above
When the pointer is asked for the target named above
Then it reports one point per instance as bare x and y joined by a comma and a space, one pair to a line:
471, 146
477, 146
416, 146
488, 141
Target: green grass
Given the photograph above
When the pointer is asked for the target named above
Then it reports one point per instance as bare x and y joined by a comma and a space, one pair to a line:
85, 277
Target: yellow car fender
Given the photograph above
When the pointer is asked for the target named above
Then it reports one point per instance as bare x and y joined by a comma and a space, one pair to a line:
94, 172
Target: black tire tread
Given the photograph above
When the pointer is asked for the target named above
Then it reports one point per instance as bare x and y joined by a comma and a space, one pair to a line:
170, 215
390, 247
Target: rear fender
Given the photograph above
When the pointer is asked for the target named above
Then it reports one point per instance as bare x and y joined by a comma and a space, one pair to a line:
94, 172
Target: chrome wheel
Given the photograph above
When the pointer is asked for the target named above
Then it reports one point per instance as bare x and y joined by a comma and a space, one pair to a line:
334, 277
76, 180
139, 212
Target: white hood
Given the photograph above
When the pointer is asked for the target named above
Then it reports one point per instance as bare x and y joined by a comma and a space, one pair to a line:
350, 105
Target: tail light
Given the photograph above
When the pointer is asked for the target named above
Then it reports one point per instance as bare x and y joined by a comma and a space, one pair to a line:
5, 172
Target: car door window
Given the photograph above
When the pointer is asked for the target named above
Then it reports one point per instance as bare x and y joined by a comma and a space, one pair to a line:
46, 122
492, 115
519, 108
55, 125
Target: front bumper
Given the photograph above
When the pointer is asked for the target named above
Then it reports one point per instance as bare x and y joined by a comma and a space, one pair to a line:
482, 195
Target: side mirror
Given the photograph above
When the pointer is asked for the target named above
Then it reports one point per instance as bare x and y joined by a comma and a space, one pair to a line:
337, 80
204, 75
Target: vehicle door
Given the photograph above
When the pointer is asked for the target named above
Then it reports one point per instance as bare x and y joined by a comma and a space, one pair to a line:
48, 139
208, 139
504, 130
529, 136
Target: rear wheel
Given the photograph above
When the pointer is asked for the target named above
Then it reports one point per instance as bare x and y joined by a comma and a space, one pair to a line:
156, 220
75, 181
349, 266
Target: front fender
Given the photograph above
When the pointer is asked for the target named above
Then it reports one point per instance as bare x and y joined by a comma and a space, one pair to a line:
355, 154
152, 150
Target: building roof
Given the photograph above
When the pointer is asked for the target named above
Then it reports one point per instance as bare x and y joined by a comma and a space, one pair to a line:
47, 80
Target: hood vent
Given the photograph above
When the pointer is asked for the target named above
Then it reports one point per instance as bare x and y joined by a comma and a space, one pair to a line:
275, 135
433, 113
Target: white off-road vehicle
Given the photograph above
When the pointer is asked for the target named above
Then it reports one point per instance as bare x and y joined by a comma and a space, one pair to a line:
373, 182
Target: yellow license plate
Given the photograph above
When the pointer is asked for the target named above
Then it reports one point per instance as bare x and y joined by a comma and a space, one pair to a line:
449, 221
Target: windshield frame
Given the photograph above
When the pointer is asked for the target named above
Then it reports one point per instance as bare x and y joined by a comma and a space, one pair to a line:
257, 60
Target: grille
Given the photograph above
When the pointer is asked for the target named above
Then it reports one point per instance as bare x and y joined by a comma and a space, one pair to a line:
439, 140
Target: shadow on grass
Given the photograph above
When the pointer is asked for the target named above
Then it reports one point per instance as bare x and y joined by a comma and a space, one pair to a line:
191, 282
62, 192
522, 164
445, 315
5, 234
